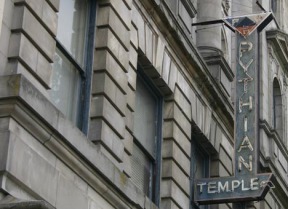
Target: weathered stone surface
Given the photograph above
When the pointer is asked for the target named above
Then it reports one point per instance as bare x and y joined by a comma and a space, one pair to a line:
69, 196
121, 9
21, 48
39, 204
31, 169
170, 189
102, 108
23, 19
171, 150
104, 85
172, 131
171, 170
108, 18
105, 61
106, 39
44, 11
172, 111
100, 132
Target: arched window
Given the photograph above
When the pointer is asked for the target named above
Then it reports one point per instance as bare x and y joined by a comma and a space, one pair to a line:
277, 109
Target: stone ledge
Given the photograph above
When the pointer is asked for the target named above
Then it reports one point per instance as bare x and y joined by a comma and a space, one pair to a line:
22, 101
26, 205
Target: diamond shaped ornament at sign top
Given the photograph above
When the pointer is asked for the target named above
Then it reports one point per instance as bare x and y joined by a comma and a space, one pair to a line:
245, 25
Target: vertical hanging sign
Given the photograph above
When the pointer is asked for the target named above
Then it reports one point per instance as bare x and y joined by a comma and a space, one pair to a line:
246, 184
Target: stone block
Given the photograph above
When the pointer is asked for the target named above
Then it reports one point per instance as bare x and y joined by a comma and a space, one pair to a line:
38, 102
14, 66
223, 170
212, 132
173, 75
96, 201
4, 40
8, 13
149, 204
106, 39
151, 44
171, 150
3, 64
133, 57
24, 20
172, 131
165, 65
226, 160
108, 18
69, 196
17, 85
218, 138
128, 142
32, 140
49, 17
105, 61
131, 99
127, 164
183, 84
138, 22
132, 77
103, 84
102, 108
185, 17
43, 10
182, 102
134, 37
4, 145
171, 170
31, 169
121, 10
100, 132
32, 204
172, 111
207, 123
200, 115
55, 4
168, 203
129, 120
170, 190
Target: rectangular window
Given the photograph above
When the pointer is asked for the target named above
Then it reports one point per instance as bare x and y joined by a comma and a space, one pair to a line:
199, 167
70, 83
145, 158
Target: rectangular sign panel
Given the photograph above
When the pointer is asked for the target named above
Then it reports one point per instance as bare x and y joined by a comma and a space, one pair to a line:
246, 184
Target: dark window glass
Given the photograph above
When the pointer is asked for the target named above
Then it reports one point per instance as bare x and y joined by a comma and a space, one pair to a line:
72, 60
147, 139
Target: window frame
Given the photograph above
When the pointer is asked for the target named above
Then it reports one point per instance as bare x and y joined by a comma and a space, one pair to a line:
154, 183
85, 72
196, 148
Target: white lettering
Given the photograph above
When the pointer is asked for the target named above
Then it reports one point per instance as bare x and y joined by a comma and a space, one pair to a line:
245, 46
254, 184
212, 187
242, 161
249, 104
235, 184
201, 186
223, 188
243, 186
246, 144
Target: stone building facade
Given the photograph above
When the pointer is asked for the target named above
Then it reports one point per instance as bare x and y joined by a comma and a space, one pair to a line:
109, 104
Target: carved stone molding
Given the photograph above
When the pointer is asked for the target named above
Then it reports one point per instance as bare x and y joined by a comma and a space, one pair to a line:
279, 42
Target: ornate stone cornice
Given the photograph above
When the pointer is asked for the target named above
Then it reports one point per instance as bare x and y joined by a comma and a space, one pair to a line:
279, 42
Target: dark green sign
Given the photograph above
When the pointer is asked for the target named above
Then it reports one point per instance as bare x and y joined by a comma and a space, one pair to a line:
246, 184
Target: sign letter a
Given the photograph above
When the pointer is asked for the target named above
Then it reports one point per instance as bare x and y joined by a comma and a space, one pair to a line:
245, 144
